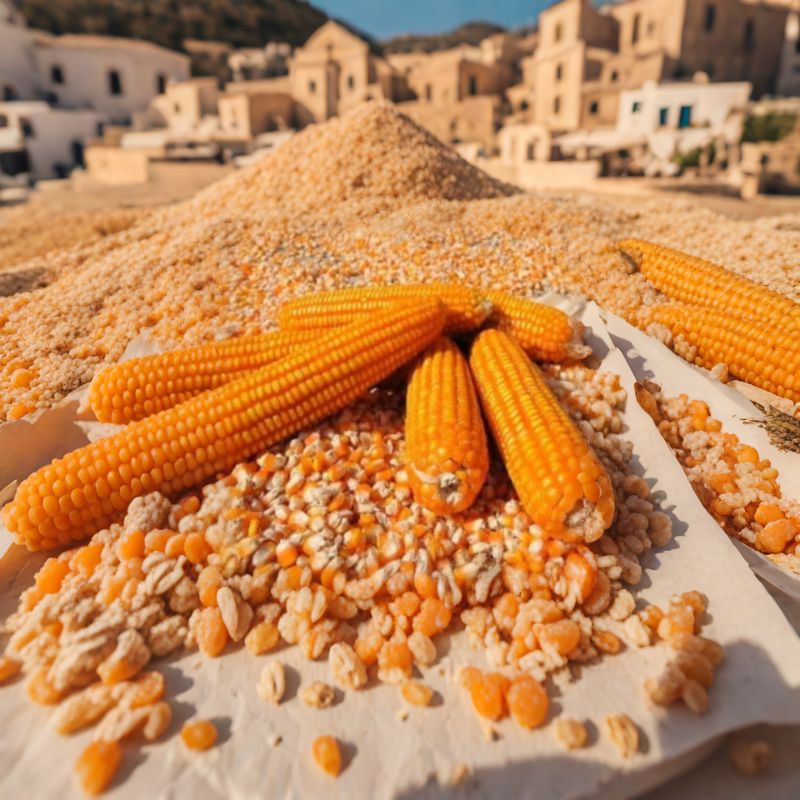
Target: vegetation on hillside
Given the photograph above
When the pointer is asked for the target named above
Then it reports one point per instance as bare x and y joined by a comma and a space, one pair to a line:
468, 33
242, 23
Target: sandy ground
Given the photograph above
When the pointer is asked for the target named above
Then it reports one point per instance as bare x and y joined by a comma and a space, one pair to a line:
188, 179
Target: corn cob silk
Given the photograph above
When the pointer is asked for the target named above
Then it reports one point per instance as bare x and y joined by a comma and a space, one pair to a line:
90, 488
140, 387
560, 481
465, 308
446, 452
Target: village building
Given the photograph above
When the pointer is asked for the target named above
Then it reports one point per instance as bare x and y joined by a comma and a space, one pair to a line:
255, 63
18, 79
458, 93
42, 142
114, 76
336, 70
586, 57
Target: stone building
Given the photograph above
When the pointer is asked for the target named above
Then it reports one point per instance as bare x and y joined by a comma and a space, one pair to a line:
586, 56
43, 142
458, 93
335, 70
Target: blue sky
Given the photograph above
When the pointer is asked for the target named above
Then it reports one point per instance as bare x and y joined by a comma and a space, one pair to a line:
383, 18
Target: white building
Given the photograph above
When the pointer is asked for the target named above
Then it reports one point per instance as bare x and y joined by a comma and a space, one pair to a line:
115, 76
17, 67
42, 141
681, 106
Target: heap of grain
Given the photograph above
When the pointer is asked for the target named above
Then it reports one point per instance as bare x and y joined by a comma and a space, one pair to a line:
369, 198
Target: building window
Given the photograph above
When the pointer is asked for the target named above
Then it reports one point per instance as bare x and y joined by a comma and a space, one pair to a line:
636, 107
472, 86
77, 153
9, 93
637, 25
559, 32
749, 35
161, 83
559, 72
3, 121
556, 105
114, 83
312, 87
26, 127
685, 118
663, 116
710, 70
429, 92
351, 82
56, 74
176, 107
594, 107
711, 17
614, 76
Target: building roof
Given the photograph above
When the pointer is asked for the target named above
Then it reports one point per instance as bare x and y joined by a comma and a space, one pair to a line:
82, 41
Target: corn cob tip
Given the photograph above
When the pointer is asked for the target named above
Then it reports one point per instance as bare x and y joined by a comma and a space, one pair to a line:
448, 488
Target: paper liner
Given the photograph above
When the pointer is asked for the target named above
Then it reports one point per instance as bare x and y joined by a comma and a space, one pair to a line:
386, 757
649, 359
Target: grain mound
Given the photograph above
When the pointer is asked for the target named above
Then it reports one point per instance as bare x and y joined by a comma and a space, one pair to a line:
374, 155
368, 198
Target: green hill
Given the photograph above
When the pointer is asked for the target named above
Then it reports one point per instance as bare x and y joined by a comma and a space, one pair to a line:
242, 23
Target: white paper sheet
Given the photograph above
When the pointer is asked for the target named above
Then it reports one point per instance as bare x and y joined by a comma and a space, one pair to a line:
759, 681
650, 359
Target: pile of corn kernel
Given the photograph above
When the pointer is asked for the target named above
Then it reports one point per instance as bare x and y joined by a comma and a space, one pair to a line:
738, 488
366, 198
318, 544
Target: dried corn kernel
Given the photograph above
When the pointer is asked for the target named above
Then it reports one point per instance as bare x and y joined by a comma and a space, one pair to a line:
327, 755
199, 735
97, 765
416, 693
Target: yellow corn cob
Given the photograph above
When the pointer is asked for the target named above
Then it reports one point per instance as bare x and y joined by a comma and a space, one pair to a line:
545, 333
754, 352
181, 447
464, 308
446, 453
140, 387
695, 281
560, 481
